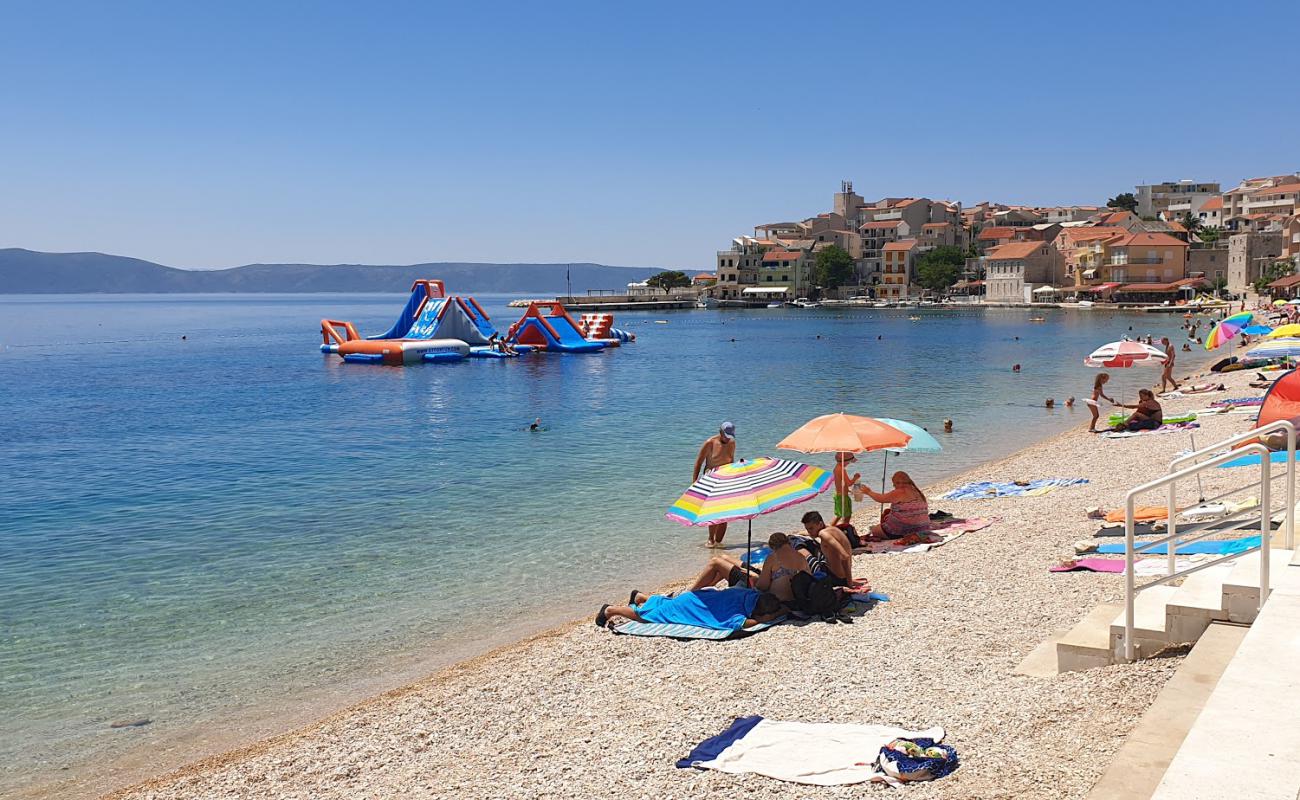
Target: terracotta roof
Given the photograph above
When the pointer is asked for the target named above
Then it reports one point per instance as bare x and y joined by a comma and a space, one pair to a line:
781, 255
936, 225
902, 244
881, 224
1285, 283
1286, 187
1013, 250
991, 233
906, 201
1095, 232
1114, 217
1145, 239
1162, 287
1213, 204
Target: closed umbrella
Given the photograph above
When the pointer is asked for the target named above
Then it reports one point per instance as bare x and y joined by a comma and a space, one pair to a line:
747, 489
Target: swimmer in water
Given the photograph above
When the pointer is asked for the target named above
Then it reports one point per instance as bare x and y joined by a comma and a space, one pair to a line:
1015, 368
947, 426
1050, 403
1069, 402
536, 426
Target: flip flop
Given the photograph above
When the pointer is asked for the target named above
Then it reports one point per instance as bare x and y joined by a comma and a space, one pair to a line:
601, 618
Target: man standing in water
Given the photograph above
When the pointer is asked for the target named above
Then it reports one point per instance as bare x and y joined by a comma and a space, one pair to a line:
716, 451
1167, 376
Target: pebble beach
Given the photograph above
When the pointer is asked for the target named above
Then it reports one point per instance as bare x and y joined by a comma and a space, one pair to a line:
581, 712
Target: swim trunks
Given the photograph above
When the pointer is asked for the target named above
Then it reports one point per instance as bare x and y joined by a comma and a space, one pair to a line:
843, 506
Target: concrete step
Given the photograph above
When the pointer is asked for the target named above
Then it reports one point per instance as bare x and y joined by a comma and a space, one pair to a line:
1140, 764
1088, 644
1245, 744
1148, 625
1241, 588
1197, 603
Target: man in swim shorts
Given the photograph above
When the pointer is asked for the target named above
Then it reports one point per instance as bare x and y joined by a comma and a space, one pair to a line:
715, 452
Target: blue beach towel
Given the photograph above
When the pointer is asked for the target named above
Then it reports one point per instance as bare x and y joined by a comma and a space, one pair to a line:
1253, 460
990, 489
1221, 547
718, 609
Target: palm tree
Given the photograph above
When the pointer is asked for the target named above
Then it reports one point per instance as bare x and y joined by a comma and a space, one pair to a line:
1191, 223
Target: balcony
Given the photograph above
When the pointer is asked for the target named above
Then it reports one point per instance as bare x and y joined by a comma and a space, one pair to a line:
1128, 262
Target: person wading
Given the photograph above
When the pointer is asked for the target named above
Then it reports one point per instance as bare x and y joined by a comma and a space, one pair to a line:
715, 452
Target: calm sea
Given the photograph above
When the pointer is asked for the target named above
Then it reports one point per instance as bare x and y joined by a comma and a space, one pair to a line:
228, 533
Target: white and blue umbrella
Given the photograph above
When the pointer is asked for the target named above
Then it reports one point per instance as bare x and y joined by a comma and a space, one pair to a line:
1270, 349
921, 442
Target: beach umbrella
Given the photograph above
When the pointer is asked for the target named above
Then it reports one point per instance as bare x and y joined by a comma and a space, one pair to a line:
1124, 354
921, 442
1261, 330
844, 433
1277, 303
1270, 349
748, 489
1228, 328
1285, 331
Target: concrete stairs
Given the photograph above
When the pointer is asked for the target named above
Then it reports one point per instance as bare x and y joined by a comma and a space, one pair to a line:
1168, 616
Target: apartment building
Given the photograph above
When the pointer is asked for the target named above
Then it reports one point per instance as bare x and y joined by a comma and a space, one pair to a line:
1253, 204
1155, 199
738, 267
1211, 212
898, 261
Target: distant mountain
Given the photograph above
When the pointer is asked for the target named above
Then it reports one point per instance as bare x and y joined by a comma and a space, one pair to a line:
31, 272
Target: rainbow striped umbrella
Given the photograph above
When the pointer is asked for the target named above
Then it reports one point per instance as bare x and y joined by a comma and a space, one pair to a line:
747, 489
1227, 328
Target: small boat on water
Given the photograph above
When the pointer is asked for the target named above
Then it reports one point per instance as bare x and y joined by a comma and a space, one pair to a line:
803, 302
1037, 319
913, 317
1085, 304
775, 305
706, 302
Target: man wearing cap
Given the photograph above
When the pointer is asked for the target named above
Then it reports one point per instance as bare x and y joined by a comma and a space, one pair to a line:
715, 452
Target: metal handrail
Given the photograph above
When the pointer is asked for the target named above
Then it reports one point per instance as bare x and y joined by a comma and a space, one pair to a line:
1130, 506
1253, 433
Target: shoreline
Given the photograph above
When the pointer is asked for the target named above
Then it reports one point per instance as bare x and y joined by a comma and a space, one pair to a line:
469, 668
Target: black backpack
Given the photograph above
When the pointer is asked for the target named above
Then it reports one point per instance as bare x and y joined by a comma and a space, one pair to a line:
813, 597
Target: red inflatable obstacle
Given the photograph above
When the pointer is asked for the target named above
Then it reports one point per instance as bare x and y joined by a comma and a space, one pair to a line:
553, 330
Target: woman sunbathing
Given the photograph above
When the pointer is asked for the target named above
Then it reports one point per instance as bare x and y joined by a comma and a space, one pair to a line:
1147, 414
716, 609
908, 511
782, 564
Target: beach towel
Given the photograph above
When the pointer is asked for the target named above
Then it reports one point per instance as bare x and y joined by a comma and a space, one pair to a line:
1145, 567
679, 631
1116, 419
1172, 428
939, 535
816, 753
990, 489
1221, 547
1140, 514
1252, 460
719, 609
1091, 565
1238, 401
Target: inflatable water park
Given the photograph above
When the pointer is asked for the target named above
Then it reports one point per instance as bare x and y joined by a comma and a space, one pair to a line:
435, 327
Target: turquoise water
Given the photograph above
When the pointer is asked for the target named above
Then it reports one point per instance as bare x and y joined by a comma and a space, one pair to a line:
218, 533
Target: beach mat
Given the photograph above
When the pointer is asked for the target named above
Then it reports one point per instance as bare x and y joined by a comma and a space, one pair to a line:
1171, 428
675, 630
1253, 460
1116, 419
1144, 567
984, 490
1238, 401
1091, 565
939, 535
1217, 547
1149, 529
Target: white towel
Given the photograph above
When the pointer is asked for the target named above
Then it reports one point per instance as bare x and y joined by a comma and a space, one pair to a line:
819, 753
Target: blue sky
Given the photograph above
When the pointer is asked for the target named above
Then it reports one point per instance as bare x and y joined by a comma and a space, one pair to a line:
222, 133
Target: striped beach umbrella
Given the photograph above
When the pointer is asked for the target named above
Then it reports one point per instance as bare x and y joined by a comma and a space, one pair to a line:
1228, 328
1124, 354
1270, 349
747, 489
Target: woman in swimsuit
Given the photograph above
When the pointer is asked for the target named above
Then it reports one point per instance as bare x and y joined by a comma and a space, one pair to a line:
1094, 407
908, 511
782, 564
1147, 414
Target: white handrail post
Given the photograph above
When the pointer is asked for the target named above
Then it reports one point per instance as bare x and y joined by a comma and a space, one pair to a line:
1130, 584
1265, 524
1172, 525
1290, 486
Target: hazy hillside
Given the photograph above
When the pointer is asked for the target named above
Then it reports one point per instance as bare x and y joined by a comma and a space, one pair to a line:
31, 272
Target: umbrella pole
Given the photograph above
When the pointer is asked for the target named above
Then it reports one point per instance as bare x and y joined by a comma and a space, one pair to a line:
884, 468
749, 552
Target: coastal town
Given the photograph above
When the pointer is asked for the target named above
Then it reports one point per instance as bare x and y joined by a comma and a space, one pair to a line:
1160, 244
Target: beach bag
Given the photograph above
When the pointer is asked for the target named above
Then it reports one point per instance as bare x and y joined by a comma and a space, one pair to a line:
815, 597
909, 760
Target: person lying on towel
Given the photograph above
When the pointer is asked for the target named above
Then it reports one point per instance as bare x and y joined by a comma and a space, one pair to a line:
716, 609
781, 564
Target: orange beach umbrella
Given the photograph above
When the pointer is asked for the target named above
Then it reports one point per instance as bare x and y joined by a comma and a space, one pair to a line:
844, 433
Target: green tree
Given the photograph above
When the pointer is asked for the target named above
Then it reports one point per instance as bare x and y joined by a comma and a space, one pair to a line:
1210, 234
1191, 222
668, 280
1124, 201
1274, 271
833, 267
940, 268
